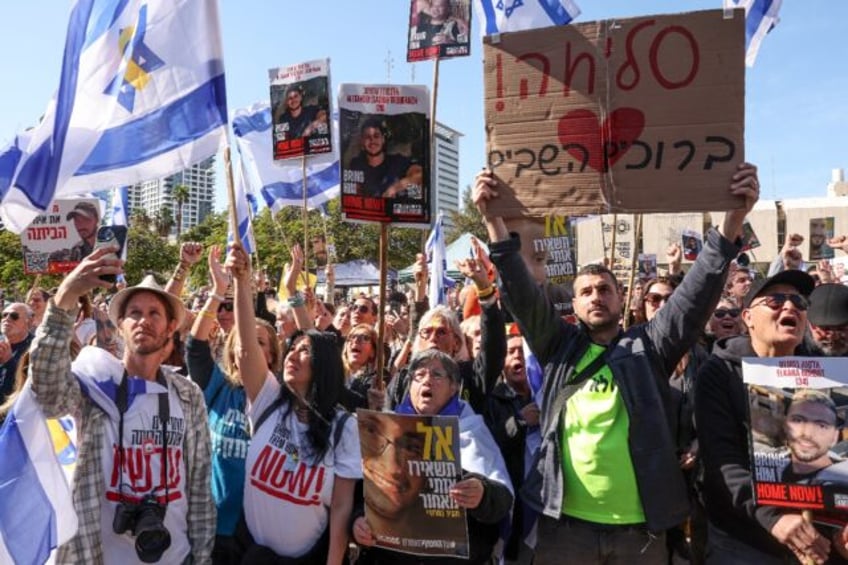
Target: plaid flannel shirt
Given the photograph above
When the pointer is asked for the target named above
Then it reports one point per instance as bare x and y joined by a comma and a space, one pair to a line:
58, 392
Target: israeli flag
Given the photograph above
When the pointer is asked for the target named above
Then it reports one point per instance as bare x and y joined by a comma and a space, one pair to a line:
281, 182
246, 208
141, 95
437, 263
760, 18
37, 514
499, 16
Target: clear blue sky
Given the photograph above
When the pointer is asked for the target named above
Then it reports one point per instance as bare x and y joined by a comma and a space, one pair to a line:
796, 109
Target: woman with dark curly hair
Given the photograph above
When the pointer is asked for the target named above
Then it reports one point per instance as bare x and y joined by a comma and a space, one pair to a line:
304, 459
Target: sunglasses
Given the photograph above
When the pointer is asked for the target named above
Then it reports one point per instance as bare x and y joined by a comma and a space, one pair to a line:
360, 338
655, 299
228, 306
722, 312
14, 315
777, 300
361, 308
425, 333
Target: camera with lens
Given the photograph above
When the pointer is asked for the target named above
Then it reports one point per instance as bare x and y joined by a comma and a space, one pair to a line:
145, 520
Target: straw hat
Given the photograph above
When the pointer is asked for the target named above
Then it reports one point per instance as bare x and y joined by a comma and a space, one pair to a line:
149, 285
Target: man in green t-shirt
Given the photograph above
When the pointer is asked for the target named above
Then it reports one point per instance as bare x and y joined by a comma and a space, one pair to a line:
606, 479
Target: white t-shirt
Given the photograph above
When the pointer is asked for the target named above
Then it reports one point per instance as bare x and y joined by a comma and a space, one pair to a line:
142, 474
287, 496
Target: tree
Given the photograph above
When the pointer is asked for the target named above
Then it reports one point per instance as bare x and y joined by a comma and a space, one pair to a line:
141, 219
148, 253
163, 220
180, 194
468, 219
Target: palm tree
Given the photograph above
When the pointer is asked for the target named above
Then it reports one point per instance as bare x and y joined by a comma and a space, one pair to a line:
180, 194
163, 220
141, 219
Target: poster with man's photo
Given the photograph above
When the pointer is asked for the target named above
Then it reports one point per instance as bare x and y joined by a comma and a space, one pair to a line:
438, 29
385, 153
799, 451
821, 230
56, 241
300, 109
647, 264
409, 465
749, 237
692, 243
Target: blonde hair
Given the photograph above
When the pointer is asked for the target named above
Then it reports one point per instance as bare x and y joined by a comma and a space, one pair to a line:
228, 359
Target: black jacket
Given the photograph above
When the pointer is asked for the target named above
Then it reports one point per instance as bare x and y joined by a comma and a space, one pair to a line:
640, 362
721, 413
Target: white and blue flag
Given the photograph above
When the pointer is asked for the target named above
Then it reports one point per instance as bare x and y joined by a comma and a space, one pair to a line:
760, 18
499, 16
437, 263
141, 95
37, 513
281, 182
246, 208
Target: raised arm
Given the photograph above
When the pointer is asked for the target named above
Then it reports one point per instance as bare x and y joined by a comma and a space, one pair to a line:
251, 361
296, 299
55, 387
190, 254
198, 355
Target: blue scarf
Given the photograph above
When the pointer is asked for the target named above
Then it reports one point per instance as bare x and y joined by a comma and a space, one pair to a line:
452, 408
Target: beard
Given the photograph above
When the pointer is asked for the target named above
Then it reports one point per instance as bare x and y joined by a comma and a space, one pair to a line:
151, 347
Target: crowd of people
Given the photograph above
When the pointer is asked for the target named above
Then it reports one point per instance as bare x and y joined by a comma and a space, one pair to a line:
223, 427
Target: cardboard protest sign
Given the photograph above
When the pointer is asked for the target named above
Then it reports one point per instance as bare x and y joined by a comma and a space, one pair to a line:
639, 115
57, 241
798, 407
385, 160
300, 109
406, 488
438, 29
821, 230
692, 242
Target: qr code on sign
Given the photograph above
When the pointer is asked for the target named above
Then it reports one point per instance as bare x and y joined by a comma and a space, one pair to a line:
36, 262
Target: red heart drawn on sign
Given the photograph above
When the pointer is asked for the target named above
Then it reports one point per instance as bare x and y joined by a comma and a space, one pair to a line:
600, 145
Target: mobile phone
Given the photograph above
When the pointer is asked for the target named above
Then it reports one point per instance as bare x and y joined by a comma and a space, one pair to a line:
111, 236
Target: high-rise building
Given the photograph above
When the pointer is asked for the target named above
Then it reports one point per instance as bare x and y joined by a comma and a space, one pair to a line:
153, 195
445, 177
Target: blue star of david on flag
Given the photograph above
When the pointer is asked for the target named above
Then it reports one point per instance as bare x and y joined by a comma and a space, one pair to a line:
507, 10
142, 61
499, 16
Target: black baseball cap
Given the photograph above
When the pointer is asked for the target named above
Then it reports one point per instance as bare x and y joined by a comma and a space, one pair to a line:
802, 282
829, 305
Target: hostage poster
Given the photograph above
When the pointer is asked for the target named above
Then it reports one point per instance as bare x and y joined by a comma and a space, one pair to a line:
409, 464
438, 29
55, 242
385, 153
300, 109
798, 449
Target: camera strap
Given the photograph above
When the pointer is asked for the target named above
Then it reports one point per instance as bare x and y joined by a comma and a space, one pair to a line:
121, 401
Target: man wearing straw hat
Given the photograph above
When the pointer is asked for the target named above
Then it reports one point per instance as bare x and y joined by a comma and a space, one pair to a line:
142, 487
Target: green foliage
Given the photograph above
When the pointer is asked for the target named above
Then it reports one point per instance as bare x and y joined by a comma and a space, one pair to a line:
163, 221
468, 219
180, 194
12, 277
147, 252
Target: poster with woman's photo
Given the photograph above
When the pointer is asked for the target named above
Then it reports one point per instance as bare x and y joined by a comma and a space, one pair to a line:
300, 109
438, 29
692, 243
647, 263
409, 465
385, 153
799, 451
821, 230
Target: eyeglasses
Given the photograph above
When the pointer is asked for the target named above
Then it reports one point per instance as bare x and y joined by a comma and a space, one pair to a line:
408, 448
360, 338
228, 306
435, 375
777, 300
361, 308
11, 314
425, 333
722, 312
655, 298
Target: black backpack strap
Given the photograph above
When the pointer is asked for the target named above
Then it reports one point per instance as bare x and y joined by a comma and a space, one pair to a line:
573, 385
267, 413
